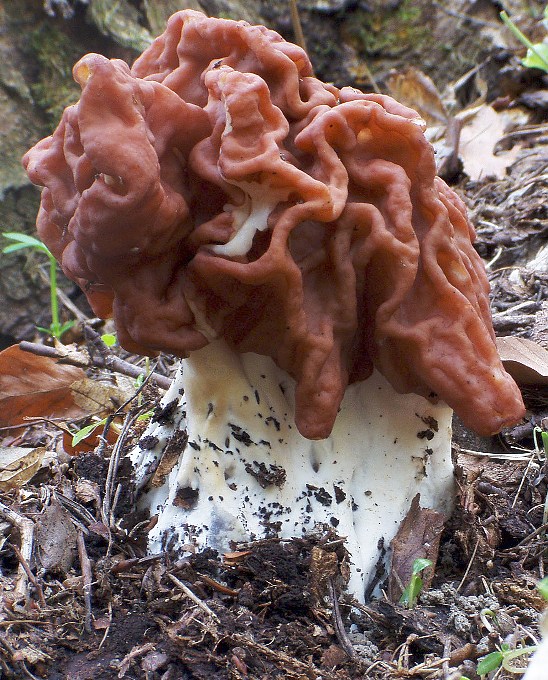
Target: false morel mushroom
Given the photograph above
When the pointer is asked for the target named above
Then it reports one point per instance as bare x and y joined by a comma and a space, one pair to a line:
290, 241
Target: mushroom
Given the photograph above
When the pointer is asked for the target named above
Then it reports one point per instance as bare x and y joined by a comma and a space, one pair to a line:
291, 243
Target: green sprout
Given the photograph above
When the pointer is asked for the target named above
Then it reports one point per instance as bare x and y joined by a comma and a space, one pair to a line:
542, 587
22, 241
77, 437
537, 54
503, 658
109, 339
411, 593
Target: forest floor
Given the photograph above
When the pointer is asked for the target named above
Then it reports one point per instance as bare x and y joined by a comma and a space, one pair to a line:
83, 600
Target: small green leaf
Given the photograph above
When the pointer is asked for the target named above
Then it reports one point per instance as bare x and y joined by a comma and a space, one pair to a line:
542, 587
56, 331
414, 587
86, 431
489, 663
421, 564
23, 241
146, 416
109, 339
15, 247
510, 655
537, 57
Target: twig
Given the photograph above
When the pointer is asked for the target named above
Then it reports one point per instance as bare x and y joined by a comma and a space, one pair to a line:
342, 637
111, 362
13, 653
278, 656
106, 510
26, 533
30, 576
463, 579
125, 565
186, 590
371, 77
522, 305
85, 565
297, 26
532, 535
465, 17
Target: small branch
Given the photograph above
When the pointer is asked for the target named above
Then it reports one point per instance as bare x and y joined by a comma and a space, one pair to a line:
30, 576
26, 533
85, 565
111, 362
371, 77
342, 637
463, 579
186, 590
107, 509
297, 26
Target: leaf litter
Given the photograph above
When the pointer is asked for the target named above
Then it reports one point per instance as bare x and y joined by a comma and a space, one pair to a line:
81, 598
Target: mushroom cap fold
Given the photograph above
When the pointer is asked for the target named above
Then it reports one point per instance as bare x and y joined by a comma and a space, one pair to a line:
217, 189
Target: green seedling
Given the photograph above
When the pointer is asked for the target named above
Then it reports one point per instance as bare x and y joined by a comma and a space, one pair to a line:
537, 54
504, 658
109, 339
542, 587
23, 241
77, 437
543, 437
411, 593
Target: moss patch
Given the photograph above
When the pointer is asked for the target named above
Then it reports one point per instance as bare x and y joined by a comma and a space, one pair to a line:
54, 54
388, 32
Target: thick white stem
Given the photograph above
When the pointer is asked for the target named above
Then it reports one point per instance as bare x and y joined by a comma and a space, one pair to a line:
245, 472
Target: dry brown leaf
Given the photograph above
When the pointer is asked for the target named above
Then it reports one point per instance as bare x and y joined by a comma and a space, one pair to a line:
526, 361
18, 465
416, 90
97, 397
56, 539
418, 537
88, 492
482, 130
31, 385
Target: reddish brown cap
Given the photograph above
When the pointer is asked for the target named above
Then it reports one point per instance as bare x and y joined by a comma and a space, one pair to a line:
218, 189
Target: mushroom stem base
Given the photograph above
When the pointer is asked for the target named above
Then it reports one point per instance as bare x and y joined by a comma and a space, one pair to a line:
224, 461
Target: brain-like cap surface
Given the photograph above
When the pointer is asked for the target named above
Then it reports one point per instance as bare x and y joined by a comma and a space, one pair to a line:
218, 189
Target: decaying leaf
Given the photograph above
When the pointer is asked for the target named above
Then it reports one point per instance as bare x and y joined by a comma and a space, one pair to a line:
18, 465
323, 566
482, 130
56, 538
416, 90
418, 537
525, 360
96, 397
31, 385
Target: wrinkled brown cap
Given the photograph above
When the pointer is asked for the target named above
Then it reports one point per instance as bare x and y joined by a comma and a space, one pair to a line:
218, 189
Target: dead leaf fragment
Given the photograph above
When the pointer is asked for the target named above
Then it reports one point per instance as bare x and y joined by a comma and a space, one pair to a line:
18, 465
34, 386
525, 360
56, 539
97, 397
482, 129
416, 90
418, 537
